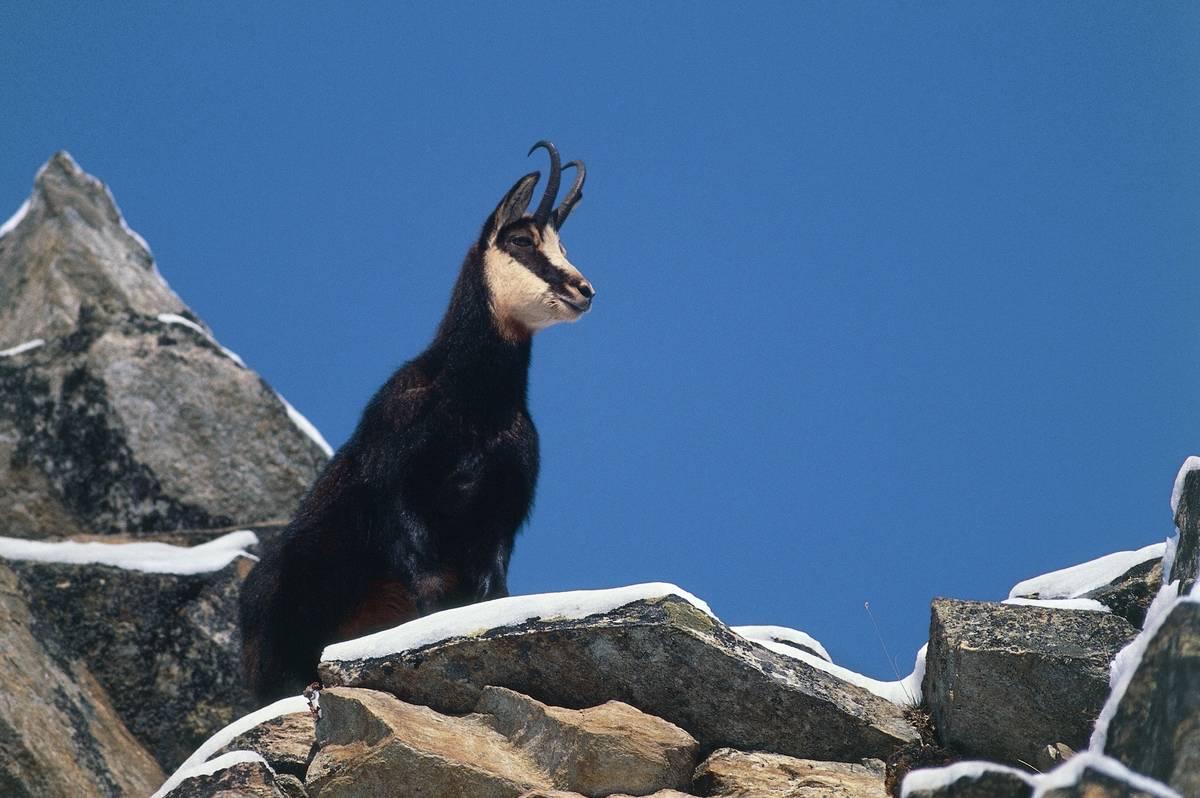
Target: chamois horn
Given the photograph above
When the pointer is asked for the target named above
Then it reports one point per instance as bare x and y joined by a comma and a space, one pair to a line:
542, 214
573, 196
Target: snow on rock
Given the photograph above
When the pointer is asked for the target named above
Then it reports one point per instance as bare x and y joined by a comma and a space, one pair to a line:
175, 318
191, 766
1072, 582
15, 219
150, 557
208, 768
1126, 663
305, 426
1068, 774
1189, 465
25, 347
933, 779
1060, 604
475, 619
782, 634
905, 692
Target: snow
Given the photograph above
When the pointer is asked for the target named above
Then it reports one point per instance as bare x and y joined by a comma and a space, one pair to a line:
906, 692
1070, 583
200, 757
1065, 775
930, 779
1168, 560
782, 634
173, 318
15, 219
306, 426
208, 768
149, 557
475, 619
25, 347
1126, 663
1060, 604
1189, 465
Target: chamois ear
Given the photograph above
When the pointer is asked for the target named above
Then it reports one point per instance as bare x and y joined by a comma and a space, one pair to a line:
513, 206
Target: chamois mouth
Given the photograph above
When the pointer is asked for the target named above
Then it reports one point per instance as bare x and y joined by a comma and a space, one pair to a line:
580, 306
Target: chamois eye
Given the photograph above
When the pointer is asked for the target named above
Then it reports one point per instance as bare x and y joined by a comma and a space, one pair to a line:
521, 241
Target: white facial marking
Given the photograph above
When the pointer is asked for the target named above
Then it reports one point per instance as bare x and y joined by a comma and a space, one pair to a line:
522, 302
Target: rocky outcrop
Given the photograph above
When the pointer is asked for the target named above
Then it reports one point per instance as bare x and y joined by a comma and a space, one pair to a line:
1089, 775
1004, 681
59, 732
1156, 728
244, 778
664, 656
164, 647
734, 774
1186, 506
1130, 595
286, 743
128, 417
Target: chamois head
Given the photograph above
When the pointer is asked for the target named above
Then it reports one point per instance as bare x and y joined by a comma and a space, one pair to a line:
530, 282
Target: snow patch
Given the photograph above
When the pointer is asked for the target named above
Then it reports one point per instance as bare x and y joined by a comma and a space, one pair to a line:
1090, 605
208, 768
930, 779
15, 219
1070, 583
174, 318
782, 634
306, 426
1189, 465
148, 557
475, 619
1168, 560
906, 692
25, 347
1128, 659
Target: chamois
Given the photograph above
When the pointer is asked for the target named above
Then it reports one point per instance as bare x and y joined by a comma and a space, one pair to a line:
417, 512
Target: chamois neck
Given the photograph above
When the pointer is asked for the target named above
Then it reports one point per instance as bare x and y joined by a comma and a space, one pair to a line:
474, 357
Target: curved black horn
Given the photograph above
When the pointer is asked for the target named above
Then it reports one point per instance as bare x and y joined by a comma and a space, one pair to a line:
573, 196
542, 214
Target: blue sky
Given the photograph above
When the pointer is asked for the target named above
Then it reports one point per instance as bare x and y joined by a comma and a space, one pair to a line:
894, 300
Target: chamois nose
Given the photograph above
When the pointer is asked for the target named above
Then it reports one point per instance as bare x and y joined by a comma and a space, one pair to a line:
586, 289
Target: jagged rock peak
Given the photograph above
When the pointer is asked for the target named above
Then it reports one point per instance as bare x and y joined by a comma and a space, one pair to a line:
67, 246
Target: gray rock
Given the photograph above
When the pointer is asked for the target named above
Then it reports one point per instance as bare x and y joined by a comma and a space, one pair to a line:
663, 656
602, 750
243, 780
1186, 568
121, 422
734, 774
968, 780
164, 647
1094, 783
1156, 728
1131, 594
59, 733
1004, 681
287, 743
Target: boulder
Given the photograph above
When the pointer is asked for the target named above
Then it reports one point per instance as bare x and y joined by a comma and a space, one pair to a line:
1131, 594
119, 412
733, 774
287, 743
164, 647
661, 654
1156, 727
241, 778
1004, 681
59, 732
1186, 506
610, 748
371, 743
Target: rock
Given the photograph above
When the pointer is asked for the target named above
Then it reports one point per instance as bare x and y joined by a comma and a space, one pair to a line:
59, 733
371, 743
734, 774
122, 421
662, 655
1003, 681
165, 647
1052, 756
291, 786
1186, 567
1095, 776
1131, 594
1156, 727
968, 780
240, 780
611, 748
569, 794
286, 743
